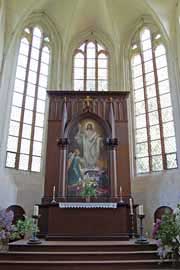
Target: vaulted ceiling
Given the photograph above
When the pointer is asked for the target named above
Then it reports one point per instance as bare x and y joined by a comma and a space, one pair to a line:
111, 17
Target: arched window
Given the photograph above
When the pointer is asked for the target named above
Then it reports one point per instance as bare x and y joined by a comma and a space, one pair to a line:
90, 67
25, 136
155, 143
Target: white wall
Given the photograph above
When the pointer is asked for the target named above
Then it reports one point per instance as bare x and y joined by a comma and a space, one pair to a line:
178, 33
2, 32
20, 188
160, 189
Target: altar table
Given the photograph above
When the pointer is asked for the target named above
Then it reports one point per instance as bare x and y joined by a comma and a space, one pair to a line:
84, 223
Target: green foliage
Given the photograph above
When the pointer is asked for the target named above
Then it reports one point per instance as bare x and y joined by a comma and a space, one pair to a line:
89, 188
23, 227
168, 235
169, 230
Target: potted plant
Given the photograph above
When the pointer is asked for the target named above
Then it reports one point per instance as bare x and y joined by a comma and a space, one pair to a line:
6, 228
8, 231
167, 233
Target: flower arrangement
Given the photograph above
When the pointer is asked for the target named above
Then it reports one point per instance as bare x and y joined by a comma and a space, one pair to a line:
6, 227
167, 234
23, 227
8, 231
89, 188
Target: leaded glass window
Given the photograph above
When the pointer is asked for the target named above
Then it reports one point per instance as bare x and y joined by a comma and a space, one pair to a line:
155, 142
90, 67
24, 146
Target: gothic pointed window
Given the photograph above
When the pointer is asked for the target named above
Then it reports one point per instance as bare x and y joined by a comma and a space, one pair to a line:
90, 67
24, 146
155, 142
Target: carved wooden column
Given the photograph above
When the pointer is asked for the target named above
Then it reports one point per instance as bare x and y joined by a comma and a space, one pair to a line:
112, 142
63, 143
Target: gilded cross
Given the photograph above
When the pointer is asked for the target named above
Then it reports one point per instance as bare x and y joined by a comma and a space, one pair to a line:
88, 100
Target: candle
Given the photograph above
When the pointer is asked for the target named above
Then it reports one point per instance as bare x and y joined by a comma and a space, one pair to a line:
36, 210
141, 210
131, 206
120, 192
54, 192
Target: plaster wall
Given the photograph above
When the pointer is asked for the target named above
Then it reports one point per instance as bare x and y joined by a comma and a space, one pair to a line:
20, 188
2, 32
154, 191
178, 33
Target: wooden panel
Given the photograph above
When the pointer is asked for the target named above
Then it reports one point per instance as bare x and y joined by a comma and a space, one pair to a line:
99, 105
85, 223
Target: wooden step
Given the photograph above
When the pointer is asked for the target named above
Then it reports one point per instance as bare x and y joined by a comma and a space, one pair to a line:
55, 246
82, 255
88, 265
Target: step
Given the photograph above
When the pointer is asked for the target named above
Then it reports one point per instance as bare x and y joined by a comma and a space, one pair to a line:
82, 255
89, 265
55, 246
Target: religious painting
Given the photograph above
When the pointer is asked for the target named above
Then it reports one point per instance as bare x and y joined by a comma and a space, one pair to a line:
87, 161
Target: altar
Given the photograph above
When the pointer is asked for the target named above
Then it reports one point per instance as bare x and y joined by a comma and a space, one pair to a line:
87, 157
85, 223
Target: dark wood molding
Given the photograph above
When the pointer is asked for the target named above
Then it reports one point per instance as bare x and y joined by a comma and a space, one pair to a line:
88, 93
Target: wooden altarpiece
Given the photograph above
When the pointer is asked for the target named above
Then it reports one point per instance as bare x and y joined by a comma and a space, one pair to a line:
72, 115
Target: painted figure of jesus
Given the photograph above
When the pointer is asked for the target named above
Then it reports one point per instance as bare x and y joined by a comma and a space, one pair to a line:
90, 142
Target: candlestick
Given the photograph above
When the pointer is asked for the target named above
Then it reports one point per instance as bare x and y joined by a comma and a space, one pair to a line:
54, 195
36, 210
34, 240
120, 193
131, 206
132, 232
142, 239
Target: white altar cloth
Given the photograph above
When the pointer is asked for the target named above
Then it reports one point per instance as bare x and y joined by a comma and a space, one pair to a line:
87, 205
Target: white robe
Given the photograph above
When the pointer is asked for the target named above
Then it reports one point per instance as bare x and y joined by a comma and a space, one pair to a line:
90, 142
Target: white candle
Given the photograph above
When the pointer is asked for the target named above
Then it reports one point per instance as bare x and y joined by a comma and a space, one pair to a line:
141, 210
36, 211
131, 206
54, 192
120, 191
